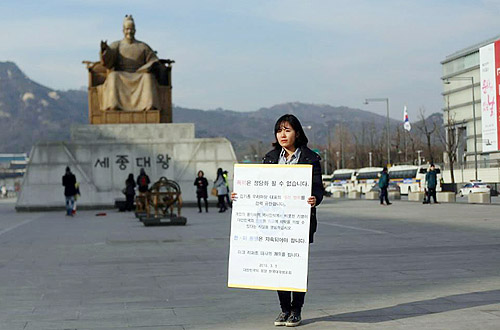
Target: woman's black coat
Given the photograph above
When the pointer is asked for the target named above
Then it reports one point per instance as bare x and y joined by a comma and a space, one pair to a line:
307, 156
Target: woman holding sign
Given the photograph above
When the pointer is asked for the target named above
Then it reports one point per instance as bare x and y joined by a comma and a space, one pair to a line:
290, 147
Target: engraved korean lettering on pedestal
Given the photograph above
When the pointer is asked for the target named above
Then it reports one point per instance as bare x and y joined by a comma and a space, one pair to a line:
123, 161
103, 163
164, 160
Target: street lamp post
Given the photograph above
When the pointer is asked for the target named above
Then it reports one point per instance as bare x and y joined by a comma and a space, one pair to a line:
326, 162
386, 100
471, 78
370, 157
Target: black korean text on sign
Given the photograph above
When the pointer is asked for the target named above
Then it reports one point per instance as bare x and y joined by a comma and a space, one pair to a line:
104, 163
143, 161
164, 160
123, 161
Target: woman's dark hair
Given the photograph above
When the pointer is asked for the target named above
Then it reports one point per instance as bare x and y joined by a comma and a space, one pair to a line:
301, 138
219, 172
202, 173
130, 179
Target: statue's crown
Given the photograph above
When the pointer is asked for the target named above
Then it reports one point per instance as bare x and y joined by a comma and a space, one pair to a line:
128, 18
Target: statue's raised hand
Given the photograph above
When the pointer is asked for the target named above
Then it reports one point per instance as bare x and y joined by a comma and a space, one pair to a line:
104, 45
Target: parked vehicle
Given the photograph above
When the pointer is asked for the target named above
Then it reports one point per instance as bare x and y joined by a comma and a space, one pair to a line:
475, 187
327, 179
365, 178
344, 176
411, 178
335, 186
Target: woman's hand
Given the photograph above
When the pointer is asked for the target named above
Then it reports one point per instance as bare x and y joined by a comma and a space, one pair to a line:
234, 196
311, 201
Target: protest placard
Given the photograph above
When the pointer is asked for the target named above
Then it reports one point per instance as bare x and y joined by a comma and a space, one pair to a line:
269, 242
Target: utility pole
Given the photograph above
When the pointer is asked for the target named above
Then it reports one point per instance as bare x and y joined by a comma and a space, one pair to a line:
419, 159
386, 100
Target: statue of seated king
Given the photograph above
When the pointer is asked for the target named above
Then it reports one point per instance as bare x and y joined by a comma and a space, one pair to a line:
129, 79
131, 84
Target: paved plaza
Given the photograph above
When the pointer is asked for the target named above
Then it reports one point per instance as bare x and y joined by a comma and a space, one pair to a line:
404, 266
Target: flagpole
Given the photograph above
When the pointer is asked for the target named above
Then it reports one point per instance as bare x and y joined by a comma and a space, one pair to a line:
406, 149
406, 127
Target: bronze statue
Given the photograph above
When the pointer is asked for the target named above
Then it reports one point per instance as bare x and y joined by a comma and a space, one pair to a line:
131, 85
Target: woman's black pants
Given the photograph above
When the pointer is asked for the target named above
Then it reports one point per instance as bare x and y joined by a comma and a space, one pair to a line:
129, 203
199, 203
291, 301
221, 203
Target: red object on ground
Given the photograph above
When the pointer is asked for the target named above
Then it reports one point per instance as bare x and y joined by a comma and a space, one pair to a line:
102, 214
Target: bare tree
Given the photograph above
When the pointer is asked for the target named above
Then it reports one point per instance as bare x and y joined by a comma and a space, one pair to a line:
427, 129
450, 140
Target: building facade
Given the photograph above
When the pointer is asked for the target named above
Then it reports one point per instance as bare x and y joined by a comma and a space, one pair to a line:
462, 114
12, 170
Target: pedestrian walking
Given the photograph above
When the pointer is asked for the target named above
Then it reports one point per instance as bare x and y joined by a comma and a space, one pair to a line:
129, 192
220, 186
201, 184
383, 183
143, 182
290, 147
69, 182
431, 183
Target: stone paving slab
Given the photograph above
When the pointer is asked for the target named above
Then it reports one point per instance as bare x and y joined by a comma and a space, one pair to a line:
406, 266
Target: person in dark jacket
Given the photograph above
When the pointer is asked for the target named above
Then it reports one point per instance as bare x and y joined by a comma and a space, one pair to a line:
431, 183
383, 183
143, 182
129, 192
201, 184
290, 147
69, 183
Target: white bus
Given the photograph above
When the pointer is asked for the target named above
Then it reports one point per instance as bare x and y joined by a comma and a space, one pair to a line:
344, 177
365, 178
411, 178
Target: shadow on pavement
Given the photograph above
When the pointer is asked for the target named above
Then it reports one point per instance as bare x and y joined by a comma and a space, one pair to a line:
414, 309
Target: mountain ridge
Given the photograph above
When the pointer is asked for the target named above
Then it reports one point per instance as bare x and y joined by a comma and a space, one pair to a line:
31, 112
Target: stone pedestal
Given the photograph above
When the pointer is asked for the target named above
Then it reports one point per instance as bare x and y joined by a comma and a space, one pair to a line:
372, 195
446, 197
416, 196
394, 195
354, 194
338, 194
102, 156
479, 198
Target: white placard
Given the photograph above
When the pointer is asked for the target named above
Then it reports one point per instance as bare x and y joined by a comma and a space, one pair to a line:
269, 242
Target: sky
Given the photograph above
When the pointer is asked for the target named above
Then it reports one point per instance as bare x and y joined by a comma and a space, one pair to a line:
244, 55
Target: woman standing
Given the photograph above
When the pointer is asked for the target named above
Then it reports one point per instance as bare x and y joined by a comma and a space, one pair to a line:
220, 185
290, 147
201, 184
129, 192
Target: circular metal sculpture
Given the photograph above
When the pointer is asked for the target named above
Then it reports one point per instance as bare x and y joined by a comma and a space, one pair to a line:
160, 201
